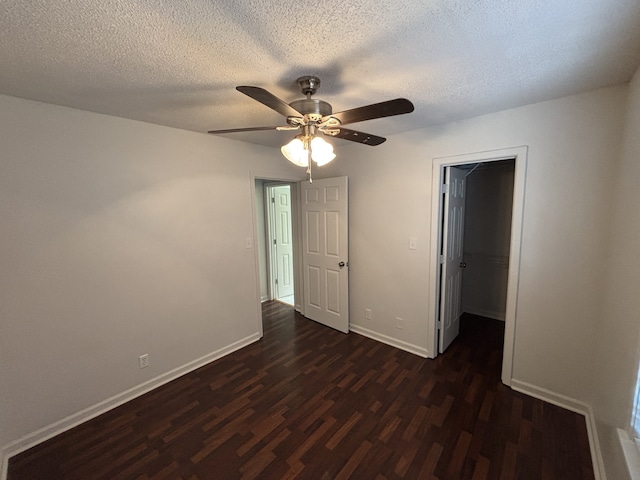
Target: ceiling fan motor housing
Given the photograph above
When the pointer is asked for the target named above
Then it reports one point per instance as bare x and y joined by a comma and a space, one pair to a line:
312, 105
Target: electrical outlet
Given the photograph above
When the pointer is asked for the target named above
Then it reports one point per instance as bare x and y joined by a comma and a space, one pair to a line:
143, 360
399, 323
367, 313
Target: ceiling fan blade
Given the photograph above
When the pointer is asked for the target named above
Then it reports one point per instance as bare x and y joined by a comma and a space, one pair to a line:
248, 129
270, 100
360, 137
389, 108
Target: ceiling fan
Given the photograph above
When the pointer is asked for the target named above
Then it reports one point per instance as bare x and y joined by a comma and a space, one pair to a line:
312, 116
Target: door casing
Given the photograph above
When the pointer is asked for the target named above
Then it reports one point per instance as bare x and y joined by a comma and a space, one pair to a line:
520, 156
293, 181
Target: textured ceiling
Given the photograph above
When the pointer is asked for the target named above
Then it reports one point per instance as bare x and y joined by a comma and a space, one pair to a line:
176, 63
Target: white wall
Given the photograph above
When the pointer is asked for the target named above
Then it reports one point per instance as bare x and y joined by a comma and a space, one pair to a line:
118, 238
617, 346
573, 142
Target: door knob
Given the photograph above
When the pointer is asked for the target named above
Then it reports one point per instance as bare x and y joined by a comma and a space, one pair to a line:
463, 264
341, 264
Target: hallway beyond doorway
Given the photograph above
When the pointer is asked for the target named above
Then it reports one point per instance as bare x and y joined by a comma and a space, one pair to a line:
289, 300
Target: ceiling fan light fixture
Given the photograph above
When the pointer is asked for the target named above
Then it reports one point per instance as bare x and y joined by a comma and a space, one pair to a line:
295, 152
321, 151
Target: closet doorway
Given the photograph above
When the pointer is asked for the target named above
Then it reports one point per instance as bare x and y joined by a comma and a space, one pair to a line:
464, 164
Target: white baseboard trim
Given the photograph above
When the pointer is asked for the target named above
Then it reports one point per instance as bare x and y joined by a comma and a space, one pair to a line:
99, 408
485, 313
573, 405
394, 342
549, 396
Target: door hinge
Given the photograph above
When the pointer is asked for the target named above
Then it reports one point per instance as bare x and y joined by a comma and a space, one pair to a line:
275, 242
276, 281
441, 259
445, 188
273, 199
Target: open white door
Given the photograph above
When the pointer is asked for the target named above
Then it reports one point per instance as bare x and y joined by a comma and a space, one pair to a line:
281, 200
325, 240
452, 256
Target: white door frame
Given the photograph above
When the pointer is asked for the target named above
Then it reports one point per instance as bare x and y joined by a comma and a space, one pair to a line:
292, 180
520, 156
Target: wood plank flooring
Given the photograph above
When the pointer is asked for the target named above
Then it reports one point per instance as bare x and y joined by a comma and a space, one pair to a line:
309, 402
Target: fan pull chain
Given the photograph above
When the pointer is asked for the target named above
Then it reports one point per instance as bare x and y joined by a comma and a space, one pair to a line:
309, 167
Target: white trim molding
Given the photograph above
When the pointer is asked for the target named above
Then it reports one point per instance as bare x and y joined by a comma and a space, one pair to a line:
573, 405
394, 342
99, 408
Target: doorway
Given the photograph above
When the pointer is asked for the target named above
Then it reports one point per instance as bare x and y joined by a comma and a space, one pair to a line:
266, 255
489, 202
317, 239
518, 155
280, 243
260, 238
477, 210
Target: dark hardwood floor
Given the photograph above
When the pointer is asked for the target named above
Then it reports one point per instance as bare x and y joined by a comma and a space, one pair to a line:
310, 402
